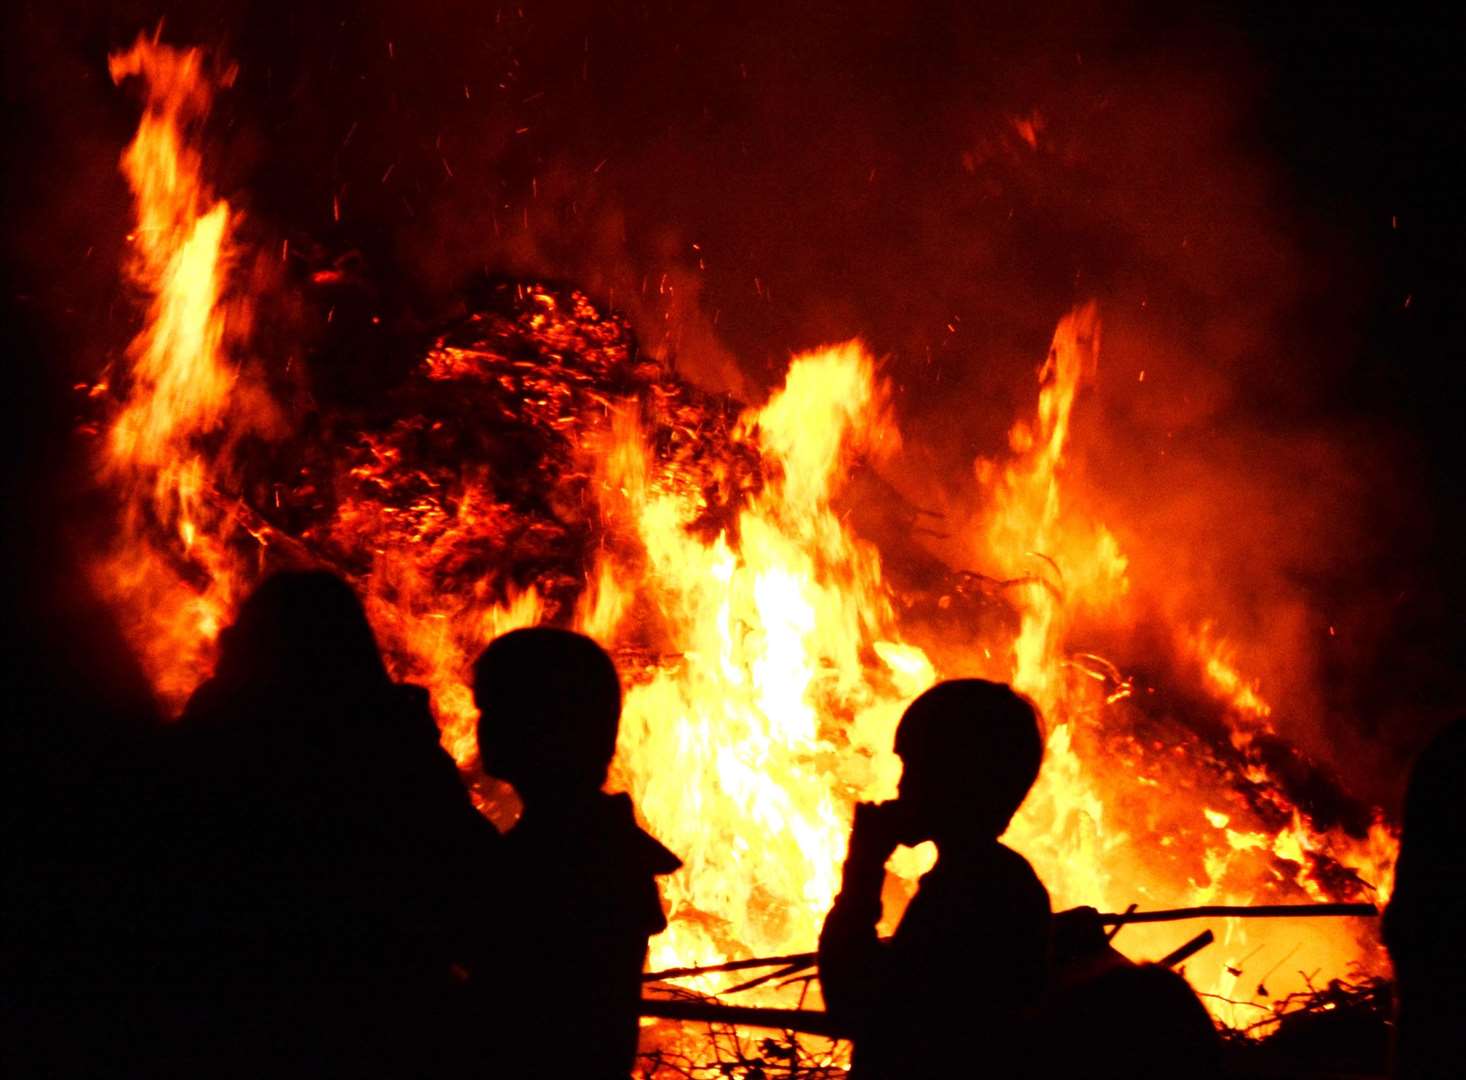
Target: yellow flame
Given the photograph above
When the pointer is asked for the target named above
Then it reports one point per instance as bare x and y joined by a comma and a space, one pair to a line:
731, 750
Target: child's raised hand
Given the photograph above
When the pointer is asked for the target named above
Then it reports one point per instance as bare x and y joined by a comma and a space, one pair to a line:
879, 828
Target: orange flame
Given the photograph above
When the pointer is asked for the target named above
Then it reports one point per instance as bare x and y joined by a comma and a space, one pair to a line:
1102, 802
185, 391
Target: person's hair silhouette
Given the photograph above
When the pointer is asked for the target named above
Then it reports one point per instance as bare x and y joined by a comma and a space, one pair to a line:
970, 750
301, 631
549, 708
575, 927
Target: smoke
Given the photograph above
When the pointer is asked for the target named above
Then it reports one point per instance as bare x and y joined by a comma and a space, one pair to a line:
942, 181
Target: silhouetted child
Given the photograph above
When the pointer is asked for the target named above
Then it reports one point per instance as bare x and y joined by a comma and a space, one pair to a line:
968, 963
566, 981
1425, 924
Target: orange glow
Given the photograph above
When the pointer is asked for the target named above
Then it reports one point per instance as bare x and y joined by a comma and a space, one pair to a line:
185, 388
765, 656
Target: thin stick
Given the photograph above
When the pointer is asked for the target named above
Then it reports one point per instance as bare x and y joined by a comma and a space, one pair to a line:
729, 965
1241, 911
1210, 911
1119, 925
810, 1021
1190, 949
791, 969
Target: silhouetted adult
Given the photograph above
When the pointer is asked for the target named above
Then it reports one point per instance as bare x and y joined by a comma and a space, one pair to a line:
324, 853
585, 897
967, 966
1425, 924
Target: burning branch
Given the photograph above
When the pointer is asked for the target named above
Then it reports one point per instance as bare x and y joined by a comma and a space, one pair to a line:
809, 1021
796, 962
1243, 911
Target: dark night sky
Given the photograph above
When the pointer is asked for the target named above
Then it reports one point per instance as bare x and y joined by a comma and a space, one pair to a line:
1253, 194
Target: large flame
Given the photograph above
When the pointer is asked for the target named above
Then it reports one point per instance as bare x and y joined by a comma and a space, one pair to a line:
744, 753
167, 446
766, 657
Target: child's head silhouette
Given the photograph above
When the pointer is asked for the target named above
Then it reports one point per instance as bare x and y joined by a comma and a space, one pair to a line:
549, 705
970, 750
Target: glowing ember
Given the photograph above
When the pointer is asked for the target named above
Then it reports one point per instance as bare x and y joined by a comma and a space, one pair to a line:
534, 468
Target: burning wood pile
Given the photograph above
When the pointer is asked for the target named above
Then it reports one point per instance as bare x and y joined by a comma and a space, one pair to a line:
480, 455
533, 467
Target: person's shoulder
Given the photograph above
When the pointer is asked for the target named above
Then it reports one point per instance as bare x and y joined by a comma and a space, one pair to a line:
403, 713
638, 848
411, 700
1014, 868
1011, 861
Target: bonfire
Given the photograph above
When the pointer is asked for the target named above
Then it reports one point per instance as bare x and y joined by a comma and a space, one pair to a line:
534, 466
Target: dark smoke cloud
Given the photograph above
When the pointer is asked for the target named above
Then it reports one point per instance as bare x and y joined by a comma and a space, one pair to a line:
944, 181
